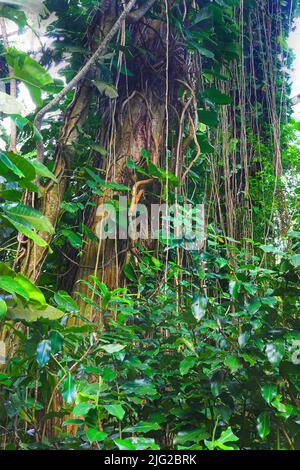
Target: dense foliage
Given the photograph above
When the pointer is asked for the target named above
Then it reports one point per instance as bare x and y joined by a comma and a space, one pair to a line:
142, 344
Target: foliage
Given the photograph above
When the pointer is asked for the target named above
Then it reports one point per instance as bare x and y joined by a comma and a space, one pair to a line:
195, 350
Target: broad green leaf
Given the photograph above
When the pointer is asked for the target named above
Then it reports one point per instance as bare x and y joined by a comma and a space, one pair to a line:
17, 16
187, 364
43, 352
107, 88
56, 340
233, 363
269, 392
142, 427
82, 409
74, 239
30, 312
42, 170
295, 260
26, 69
221, 443
136, 443
115, 410
35, 6
195, 435
77, 422
71, 207
94, 435
209, 118
108, 374
24, 166
275, 352
10, 165
263, 425
98, 148
113, 348
234, 288
217, 97
65, 301
9, 284
271, 249
3, 309
25, 228
34, 293
69, 392
30, 215
199, 306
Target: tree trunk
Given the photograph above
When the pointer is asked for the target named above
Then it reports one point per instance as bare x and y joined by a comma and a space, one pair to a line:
140, 127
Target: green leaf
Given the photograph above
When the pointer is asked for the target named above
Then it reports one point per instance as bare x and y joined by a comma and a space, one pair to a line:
26, 229
98, 148
17, 16
94, 435
3, 308
57, 341
26, 69
34, 293
77, 422
43, 352
226, 437
82, 409
42, 170
271, 249
187, 364
10, 165
107, 88
65, 301
142, 427
69, 392
30, 312
233, 363
9, 284
263, 425
136, 443
275, 352
234, 288
209, 118
29, 215
269, 392
113, 348
74, 239
199, 306
295, 260
194, 435
217, 97
115, 410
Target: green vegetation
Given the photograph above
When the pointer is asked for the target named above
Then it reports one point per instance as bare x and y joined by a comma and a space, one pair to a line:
142, 344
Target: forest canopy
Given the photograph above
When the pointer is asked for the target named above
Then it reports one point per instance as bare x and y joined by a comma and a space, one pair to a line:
149, 211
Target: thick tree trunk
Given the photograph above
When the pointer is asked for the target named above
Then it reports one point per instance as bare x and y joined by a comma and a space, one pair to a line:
32, 257
140, 127
138, 122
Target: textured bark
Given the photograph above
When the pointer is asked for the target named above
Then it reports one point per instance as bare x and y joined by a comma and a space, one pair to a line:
53, 194
142, 127
137, 123
32, 256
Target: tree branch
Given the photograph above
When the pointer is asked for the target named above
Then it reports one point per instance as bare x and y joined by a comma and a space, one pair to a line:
138, 14
81, 74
